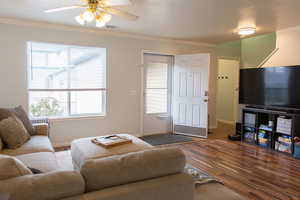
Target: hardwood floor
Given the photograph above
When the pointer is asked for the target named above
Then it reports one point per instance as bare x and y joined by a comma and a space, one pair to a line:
253, 172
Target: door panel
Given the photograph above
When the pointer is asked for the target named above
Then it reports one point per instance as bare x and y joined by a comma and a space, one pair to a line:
190, 97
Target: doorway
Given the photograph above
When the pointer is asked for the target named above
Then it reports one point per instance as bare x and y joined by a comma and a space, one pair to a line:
190, 95
228, 91
157, 92
175, 94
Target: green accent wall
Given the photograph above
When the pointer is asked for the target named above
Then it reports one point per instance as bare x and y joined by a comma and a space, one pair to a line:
256, 49
251, 51
230, 49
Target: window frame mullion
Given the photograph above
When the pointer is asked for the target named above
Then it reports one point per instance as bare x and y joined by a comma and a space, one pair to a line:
69, 81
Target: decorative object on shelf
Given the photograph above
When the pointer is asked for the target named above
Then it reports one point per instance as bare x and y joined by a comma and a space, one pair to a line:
284, 144
100, 11
250, 118
297, 147
284, 125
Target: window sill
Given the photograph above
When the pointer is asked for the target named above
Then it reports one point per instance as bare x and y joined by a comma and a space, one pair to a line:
160, 115
55, 119
163, 116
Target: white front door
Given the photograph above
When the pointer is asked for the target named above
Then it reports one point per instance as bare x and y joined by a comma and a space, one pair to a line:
157, 94
190, 94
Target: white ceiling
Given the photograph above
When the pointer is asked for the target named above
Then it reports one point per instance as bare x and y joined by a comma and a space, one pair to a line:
211, 21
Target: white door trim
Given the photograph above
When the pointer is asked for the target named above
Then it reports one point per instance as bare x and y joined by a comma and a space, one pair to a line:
142, 98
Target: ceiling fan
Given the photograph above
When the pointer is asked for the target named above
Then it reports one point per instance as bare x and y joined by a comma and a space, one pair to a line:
99, 10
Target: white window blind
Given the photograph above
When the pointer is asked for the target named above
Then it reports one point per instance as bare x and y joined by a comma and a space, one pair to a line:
156, 88
66, 80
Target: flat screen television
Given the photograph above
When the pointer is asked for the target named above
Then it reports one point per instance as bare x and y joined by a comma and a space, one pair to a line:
270, 87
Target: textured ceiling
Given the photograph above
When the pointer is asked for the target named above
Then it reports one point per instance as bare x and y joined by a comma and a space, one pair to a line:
211, 21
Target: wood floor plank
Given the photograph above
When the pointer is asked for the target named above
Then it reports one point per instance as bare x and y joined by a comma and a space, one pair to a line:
253, 172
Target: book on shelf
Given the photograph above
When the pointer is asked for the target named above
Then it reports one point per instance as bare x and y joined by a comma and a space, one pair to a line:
265, 127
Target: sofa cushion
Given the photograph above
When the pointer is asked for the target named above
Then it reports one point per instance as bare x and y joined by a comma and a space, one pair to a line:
11, 167
173, 187
35, 144
46, 186
21, 114
13, 132
83, 149
132, 167
43, 161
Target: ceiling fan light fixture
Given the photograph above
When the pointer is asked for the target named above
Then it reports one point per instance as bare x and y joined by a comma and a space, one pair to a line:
80, 19
106, 17
88, 15
100, 23
246, 31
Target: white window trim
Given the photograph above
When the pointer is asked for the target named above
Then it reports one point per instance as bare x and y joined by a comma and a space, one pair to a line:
69, 115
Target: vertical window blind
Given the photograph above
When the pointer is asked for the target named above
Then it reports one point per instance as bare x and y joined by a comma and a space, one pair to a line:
156, 88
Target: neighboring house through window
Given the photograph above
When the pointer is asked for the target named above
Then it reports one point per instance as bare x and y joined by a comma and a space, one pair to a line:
66, 81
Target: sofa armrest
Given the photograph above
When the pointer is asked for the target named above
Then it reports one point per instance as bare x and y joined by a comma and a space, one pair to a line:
41, 129
47, 186
132, 167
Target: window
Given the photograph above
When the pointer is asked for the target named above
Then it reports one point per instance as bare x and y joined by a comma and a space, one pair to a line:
156, 90
66, 81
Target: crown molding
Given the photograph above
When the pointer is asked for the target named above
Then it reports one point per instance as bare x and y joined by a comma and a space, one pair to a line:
294, 28
63, 27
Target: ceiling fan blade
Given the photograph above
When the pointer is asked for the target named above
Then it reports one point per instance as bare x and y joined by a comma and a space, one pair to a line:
64, 8
117, 2
120, 13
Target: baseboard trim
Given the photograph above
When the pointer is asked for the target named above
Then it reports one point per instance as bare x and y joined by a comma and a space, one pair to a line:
226, 121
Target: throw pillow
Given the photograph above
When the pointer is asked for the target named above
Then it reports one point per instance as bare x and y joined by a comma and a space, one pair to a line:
10, 167
13, 132
21, 114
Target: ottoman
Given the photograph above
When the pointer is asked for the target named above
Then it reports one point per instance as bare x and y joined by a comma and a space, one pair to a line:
83, 149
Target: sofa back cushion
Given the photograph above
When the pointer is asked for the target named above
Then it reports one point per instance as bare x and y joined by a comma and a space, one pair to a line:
13, 132
21, 114
132, 167
47, 186
11, 167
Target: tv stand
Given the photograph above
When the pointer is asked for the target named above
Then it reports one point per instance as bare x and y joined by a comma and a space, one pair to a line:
273, 129
276, 108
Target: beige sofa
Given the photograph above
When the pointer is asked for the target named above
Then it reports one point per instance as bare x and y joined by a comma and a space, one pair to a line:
132, 176
152, 174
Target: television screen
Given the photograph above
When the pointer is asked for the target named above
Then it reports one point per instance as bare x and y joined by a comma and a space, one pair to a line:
272, 86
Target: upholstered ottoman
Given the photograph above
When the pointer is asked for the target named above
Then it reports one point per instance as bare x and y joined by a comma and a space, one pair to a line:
83, 149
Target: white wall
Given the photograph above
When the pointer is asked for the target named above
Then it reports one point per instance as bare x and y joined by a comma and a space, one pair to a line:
124, 74
287, 41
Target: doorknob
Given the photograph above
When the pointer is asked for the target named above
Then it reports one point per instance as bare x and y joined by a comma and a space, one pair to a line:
205, 100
